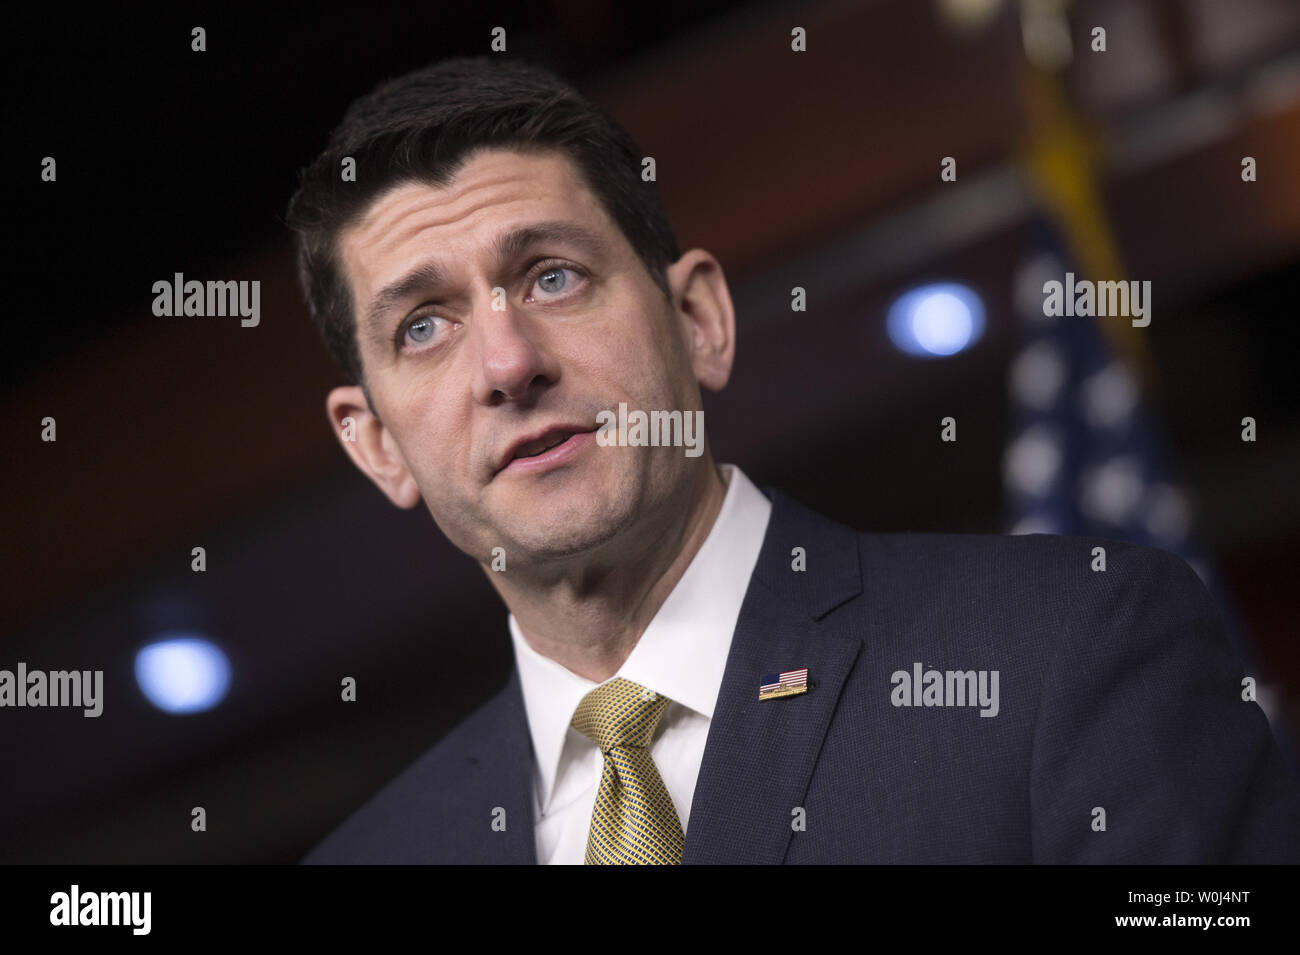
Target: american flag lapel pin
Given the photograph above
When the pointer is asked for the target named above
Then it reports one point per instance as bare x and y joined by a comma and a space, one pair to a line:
789, 683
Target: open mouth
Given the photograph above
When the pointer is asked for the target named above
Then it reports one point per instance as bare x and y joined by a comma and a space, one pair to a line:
543, 444
549, 450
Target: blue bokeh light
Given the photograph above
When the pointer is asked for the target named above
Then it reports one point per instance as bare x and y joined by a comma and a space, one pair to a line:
182, 673
935, 321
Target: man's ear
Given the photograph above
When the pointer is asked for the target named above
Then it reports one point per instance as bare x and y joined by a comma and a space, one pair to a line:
703, 303
370, 445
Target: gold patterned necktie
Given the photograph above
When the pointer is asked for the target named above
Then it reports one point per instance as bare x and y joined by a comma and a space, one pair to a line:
634, 822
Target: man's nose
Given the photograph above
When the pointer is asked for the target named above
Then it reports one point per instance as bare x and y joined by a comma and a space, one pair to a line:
512, 361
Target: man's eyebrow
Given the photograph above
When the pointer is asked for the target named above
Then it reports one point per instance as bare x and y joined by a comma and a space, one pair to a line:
517, 241
423, 276
507, 246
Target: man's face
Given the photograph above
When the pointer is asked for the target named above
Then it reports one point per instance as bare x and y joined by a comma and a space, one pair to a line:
578, 327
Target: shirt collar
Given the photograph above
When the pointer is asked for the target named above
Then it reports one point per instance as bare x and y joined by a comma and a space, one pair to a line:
683, 652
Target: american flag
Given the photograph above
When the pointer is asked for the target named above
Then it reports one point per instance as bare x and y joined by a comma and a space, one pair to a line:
783, 684
1084, 456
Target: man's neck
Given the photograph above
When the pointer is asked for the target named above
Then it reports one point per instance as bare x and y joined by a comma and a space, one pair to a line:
592, 631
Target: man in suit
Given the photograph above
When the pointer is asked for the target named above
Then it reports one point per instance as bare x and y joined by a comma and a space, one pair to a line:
494, 276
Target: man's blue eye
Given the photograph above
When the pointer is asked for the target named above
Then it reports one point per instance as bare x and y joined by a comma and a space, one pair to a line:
419, 334
542, 280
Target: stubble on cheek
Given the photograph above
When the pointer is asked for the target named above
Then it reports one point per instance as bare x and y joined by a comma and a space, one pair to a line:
555, 516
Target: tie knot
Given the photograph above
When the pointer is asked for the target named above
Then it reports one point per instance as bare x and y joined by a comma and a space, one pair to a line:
619, 713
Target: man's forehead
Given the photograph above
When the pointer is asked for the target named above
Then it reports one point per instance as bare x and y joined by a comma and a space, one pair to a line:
492, 183
494, 191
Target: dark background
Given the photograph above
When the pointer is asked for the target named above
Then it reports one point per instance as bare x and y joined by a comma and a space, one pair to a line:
819, 169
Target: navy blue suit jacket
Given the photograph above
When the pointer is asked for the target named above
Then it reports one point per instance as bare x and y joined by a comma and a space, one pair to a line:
1120, 702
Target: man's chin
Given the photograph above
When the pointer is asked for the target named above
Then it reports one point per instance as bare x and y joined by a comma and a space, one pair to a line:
557, 536
560, 526
563, 514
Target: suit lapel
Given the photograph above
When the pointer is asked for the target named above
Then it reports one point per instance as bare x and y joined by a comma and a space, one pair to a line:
501, 759
759, 756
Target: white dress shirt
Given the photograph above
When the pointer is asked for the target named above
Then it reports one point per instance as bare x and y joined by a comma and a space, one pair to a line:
682, 655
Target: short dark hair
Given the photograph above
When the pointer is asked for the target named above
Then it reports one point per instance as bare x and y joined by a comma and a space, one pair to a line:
422, 127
